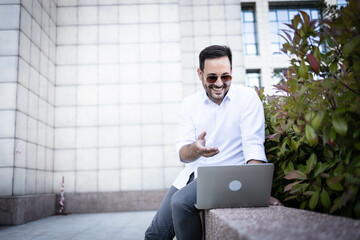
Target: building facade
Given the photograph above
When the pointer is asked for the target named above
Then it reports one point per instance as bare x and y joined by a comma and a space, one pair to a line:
89, 90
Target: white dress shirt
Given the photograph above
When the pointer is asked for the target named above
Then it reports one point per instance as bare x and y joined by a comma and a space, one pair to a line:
235, 127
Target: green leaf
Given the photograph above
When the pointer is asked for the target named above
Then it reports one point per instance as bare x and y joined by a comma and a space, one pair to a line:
325, 199
320, 168
340, 125
311, 162
333, 67
314, 200
303, 70
351, 45
311, 135
295, 174
317, 120
336, 186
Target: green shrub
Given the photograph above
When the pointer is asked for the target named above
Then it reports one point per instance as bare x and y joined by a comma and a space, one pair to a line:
312, 127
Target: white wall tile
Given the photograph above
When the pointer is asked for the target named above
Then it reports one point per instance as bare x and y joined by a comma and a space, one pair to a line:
87, 116
35, 57
150, 72
109, 158
9, 41
32, 130
64, 138
42, 110
62, 3
86, 137
66, 35
64, 160
7, 152
129, 93
21, 153
131, 179
149, 32
65, 116
130, 114
109, 180
128, 14
87, 54
149, 13
43, 87
129, 72
33, 105
40, 182
87, 95
49, 176
21, 126
108, 53
108, 115
108, 136
87, 34
51, 93
151, 113
170, 175
24, 47
86, 181
49, 160
8, 69
65, 96
87, 74
129, 33
66, 55
88, 15
108, 33
86, 159
7, 124
150, 52
170, 32
153, 178
45, 45
130, 135
31, 156
25, 22
44, 64
130, 157
172, 72
129, 53
45, 20
108, 73
150, 93
65, 75
5, 184
66, 16
36, 12
152, 134
217, 28
170, 133
108, 94
19, 181
42, 136
34, 80
169, 13
30, 181
35, 32
172, 92
9, 16
7, 95
170, 112
41, 158
22, 99
152, 156
108, 14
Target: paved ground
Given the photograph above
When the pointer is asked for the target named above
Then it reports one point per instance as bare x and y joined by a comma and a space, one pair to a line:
97, 226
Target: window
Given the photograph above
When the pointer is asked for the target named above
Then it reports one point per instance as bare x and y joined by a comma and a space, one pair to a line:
249, 30
278, 16
253, 78
341, 3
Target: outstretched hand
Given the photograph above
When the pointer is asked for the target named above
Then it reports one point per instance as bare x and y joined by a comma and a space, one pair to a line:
201, 148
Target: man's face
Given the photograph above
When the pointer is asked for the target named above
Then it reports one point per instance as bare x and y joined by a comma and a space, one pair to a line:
220, 69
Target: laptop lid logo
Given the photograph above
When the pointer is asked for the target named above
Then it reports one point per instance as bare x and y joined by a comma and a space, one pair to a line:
235, 185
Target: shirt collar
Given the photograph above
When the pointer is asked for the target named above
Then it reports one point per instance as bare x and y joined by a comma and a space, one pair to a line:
228, 96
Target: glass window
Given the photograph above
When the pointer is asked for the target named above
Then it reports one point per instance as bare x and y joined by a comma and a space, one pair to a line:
280, 15
253, 78
249, 30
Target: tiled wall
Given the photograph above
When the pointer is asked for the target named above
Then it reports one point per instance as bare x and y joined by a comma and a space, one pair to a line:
90, 89
27, 90
118, 88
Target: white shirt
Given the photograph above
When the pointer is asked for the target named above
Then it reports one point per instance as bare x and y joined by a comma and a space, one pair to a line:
235, 127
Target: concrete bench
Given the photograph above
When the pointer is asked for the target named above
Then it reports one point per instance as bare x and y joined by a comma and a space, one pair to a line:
274, 223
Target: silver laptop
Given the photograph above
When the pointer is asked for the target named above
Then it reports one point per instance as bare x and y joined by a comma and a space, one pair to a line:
247, 185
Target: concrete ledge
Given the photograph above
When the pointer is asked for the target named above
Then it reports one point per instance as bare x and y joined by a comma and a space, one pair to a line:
277, 223
15, 210
113, 201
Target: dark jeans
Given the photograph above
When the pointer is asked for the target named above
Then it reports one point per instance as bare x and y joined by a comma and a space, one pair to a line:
177, 215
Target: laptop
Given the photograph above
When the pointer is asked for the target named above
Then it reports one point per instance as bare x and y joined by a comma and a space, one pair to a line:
247, 185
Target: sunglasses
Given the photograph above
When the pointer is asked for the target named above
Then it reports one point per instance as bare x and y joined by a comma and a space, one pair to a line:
214, 78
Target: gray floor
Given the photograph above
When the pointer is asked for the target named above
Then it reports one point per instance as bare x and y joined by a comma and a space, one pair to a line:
97, 226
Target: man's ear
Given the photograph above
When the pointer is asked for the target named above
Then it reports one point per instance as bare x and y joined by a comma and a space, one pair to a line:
199, 74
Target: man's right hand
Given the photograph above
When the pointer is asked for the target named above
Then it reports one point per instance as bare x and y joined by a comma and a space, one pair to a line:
191, 152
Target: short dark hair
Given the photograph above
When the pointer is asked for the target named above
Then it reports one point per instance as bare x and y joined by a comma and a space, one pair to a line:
214, 51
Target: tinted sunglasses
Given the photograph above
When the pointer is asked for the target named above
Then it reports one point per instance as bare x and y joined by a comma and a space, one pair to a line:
214, 78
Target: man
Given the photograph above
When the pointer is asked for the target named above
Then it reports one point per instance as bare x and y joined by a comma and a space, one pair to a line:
218, 126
